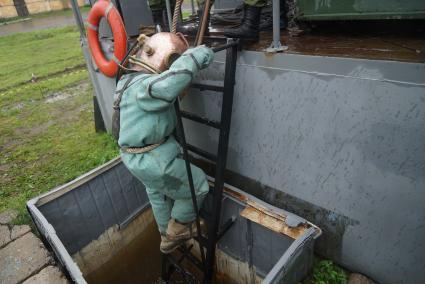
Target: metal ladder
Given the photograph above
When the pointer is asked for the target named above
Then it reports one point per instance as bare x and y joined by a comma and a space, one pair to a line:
170, 263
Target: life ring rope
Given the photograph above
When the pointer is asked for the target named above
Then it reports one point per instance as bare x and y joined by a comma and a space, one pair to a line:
106, 9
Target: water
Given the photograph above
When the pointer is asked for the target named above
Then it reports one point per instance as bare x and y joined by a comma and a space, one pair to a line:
139, 262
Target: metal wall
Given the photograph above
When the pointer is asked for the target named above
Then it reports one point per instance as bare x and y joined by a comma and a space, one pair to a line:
81, 215
337, 141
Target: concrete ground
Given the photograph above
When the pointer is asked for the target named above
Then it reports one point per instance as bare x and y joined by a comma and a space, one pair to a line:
52, 21
23, 258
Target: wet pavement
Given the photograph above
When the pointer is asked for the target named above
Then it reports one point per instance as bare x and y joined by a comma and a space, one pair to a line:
39, 24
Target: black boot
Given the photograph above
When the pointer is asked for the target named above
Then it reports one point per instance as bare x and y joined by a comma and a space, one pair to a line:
192, 28
158, 19
249, 28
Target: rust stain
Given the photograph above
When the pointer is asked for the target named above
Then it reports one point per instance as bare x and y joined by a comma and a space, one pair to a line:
277, 225
268, 218
235, 194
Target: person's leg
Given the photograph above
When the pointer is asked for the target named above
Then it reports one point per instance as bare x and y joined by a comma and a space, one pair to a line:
249, 28
176, 176
159, 12
161, 208
181, 227
183, 211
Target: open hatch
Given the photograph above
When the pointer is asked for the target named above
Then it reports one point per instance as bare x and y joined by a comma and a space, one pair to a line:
100, 229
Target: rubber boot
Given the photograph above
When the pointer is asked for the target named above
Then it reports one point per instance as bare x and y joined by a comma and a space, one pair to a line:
192, 28
176, 235
249, 28
158, 19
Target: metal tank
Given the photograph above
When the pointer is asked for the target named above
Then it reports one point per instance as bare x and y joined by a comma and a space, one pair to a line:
101, 229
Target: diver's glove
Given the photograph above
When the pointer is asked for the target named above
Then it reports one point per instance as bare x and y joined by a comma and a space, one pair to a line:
202, 55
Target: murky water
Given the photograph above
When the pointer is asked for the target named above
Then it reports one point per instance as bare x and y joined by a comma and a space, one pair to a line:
139, 262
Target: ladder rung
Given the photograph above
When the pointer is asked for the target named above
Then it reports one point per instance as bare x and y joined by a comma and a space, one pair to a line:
202, 240
191, 258
200, 119
179, 268
207, 87
184, 254
201, 152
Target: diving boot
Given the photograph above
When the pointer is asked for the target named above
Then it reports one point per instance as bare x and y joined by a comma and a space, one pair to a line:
249, 28
158, 17
176, 235
192, 28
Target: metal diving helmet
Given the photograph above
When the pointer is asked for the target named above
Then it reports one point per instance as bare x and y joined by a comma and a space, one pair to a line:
158, 52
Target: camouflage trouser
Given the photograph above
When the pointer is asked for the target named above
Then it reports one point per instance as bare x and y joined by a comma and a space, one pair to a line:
160, 4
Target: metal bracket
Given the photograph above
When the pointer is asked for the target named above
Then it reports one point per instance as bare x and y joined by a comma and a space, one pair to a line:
276, 47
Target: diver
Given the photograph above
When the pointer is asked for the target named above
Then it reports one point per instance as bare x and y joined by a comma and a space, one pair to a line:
164, 68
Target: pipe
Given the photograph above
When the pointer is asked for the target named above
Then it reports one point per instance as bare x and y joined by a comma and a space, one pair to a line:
276, 23
78, 18
276, 46
204, 23
169, 17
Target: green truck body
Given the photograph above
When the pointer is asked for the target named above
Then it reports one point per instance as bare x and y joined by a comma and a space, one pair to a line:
324, 10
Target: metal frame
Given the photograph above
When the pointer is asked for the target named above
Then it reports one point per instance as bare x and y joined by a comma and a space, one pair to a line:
279, 269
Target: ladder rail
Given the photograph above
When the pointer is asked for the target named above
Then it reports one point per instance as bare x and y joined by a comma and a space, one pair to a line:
182, 138
214, 232
223, 145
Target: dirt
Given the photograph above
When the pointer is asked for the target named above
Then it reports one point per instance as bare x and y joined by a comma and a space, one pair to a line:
67, 93
61, 115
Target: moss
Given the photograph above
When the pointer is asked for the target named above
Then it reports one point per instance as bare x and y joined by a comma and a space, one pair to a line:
326, 272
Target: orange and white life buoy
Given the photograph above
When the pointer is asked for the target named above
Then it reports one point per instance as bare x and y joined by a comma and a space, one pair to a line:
103, 8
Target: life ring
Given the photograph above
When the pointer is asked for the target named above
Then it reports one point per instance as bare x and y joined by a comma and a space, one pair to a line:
104, 8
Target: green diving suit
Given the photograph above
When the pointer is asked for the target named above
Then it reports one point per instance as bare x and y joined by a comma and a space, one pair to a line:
147, 117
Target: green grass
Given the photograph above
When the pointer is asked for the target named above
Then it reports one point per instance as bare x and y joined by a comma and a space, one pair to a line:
326, 272
41, 53
47, 135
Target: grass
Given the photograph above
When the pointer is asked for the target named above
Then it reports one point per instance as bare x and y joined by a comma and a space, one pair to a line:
47, 135
41, 53
326, 272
